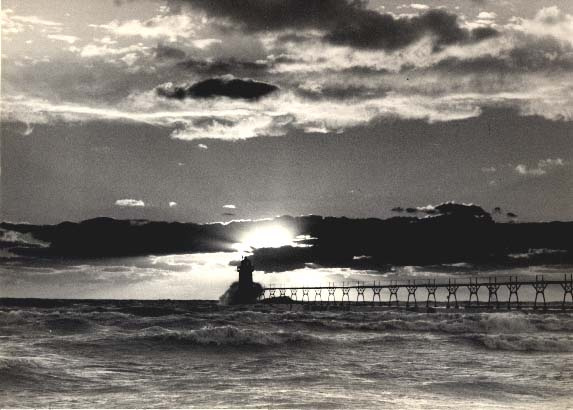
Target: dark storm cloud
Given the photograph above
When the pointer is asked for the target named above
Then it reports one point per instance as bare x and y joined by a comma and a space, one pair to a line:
459, 233
533, 55
219, 87
372, 30
348, 23
164, 52
482, 33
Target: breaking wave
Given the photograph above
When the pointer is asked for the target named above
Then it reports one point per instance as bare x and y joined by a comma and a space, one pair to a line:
227, 335
526, 343
455, 323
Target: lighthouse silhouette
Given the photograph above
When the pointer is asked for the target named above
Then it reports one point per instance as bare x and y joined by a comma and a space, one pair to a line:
245, 291
245, 270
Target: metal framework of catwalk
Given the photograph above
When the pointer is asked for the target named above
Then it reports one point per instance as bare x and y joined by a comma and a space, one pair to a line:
314, 294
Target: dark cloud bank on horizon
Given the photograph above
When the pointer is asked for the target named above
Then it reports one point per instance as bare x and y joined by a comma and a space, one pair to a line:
348, 23
452, 233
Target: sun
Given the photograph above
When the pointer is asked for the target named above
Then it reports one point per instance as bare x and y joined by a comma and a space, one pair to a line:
268, 236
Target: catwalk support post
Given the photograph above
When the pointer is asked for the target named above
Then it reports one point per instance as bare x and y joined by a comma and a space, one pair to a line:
513, 288
452, 290
431, 288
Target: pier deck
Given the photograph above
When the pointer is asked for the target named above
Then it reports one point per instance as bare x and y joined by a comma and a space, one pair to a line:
342, 293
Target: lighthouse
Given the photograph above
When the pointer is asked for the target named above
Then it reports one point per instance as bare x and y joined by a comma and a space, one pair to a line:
245, 291
245, 270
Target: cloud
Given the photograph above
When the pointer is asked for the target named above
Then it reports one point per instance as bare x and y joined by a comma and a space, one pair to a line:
456, 235
235, 119
343, 22
223, 66
104, 50
383, 31
36, 21
205, 42
509, 62
448, 209
549, 21
202, 146
229, 206
169, 27
543, 167
130, 202
172, 204
62, 37
487, 15
163, 52
227, 86
13, 24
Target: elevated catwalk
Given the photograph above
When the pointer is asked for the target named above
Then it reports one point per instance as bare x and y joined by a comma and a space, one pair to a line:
387, 293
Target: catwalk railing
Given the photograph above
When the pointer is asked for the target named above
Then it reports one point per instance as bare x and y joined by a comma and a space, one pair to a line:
344, 292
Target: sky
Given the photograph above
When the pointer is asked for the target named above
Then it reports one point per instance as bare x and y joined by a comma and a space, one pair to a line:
202, 111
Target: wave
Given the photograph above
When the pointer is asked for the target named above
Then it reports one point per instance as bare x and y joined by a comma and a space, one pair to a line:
526, 343
227, 335
69, 325
452, 323
14, 370
8, 363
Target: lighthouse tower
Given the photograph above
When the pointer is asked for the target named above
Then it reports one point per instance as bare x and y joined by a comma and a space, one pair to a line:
245, 270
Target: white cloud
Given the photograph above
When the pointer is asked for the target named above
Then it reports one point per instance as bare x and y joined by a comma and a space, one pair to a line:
486, 15
62, 37
172, 204
9, 26
415, 6
130, 202
229, 206
13, 24
105, 40
419, 6
170, 26
549, 21
202, 146
205, 42
228, 119
542, 168
130, 58
95, 50
36, 21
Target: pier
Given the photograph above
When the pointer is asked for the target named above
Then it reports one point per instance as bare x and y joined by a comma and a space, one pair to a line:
387, 294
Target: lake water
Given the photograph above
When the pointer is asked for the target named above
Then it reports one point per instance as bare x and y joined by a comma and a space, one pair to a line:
200, 354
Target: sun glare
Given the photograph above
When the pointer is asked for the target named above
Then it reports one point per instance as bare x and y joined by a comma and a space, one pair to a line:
270, 236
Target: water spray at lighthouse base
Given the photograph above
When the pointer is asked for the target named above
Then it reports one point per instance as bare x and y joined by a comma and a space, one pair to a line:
245, 291
239, 294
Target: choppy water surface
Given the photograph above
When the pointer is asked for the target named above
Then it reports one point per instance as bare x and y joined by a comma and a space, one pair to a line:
199, 354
